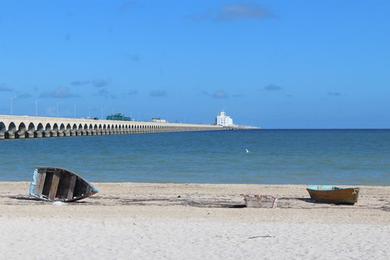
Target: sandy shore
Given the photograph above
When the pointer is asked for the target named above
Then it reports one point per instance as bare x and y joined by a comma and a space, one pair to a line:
168, 221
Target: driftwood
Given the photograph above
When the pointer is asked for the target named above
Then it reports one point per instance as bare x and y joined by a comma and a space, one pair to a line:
242, 201
260, 201
199, 202
248, 201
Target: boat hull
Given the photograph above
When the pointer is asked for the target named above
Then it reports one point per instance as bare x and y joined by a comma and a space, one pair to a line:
55, 184
335, 196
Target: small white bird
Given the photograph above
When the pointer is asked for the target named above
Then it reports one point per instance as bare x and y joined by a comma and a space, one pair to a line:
246, 150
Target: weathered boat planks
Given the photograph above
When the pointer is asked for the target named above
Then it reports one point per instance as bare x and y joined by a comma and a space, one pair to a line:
55, 184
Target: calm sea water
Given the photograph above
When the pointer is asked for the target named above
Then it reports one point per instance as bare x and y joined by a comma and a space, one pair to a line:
275, 156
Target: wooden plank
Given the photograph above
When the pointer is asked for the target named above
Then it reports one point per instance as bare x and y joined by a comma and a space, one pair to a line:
54, 186
41, 183
72, 184
260, 201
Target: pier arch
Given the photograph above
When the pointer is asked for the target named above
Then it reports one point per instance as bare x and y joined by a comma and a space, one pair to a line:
11, 126
54, 130
100, 129
90, 127
85, 129
11, 131
21, 131
39, 130
79, 130
68, 129
47, 132
31, 130
22, 126
2, 128
31, 127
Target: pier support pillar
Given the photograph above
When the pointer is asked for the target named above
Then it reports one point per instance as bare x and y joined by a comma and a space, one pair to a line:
38, 134
10, 135
21, 134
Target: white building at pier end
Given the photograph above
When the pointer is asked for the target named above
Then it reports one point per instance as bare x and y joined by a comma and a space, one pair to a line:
224, 120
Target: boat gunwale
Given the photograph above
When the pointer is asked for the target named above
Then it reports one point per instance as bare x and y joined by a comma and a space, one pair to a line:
333, 190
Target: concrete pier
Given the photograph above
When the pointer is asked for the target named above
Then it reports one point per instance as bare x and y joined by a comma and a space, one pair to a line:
19, 127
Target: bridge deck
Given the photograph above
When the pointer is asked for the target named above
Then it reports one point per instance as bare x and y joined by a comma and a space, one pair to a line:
12, 127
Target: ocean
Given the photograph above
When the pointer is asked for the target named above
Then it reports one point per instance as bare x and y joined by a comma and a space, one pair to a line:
258, 157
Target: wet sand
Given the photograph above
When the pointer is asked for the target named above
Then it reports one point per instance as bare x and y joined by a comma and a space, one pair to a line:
179, 221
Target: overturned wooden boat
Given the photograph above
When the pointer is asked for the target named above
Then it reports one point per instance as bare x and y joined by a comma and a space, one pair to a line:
55, 184
332, 194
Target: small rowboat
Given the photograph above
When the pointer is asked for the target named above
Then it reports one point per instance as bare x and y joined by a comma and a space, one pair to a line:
55, 184
332, 194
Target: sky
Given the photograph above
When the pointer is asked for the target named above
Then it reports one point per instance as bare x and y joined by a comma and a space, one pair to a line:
273, 64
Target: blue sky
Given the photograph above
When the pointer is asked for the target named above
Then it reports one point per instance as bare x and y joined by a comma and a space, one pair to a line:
276, 64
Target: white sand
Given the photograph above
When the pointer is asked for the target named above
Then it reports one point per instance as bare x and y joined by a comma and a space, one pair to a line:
111, 226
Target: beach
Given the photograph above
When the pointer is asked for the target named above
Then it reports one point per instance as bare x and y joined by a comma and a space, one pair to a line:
193, 221
201, 130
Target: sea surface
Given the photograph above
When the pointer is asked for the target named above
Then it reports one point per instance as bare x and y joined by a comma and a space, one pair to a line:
258, 156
